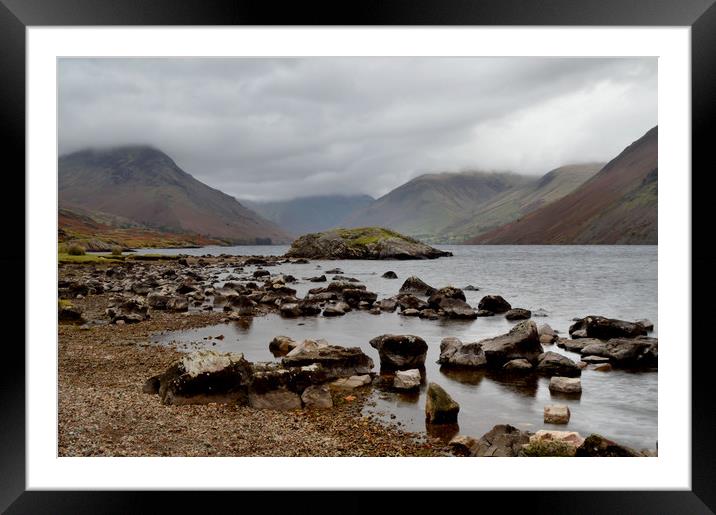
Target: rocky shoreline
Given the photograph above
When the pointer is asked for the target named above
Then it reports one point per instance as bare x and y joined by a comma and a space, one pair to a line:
215, 404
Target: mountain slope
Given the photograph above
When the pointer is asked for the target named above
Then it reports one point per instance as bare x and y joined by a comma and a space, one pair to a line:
520, 200
423, 206
616, 206
144, 185
310, 214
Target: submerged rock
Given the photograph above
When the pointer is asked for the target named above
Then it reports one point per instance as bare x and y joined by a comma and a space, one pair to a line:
440, 408
362, 243
400, 351
389, 275
455, 353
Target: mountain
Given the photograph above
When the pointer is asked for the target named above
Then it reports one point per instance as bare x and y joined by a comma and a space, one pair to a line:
310, 214
423, 206
616, 206
520, 200
146, 186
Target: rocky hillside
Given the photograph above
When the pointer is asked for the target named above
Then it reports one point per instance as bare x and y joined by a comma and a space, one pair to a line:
146, 186
361, 243
519, 201
424, 206
616, 206
310, 214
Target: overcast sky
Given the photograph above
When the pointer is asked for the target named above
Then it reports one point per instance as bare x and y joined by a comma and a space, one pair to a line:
280, 128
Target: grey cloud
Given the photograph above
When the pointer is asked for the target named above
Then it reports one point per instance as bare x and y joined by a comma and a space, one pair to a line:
279, 128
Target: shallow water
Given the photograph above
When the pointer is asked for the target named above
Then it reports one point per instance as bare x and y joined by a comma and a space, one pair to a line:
564, 281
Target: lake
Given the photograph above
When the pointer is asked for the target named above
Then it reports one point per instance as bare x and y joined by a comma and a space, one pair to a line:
563, 281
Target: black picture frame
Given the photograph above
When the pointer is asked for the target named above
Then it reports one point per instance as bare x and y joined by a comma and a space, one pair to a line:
700, 15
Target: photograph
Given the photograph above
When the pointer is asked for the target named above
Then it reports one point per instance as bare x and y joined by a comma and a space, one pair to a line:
346, 256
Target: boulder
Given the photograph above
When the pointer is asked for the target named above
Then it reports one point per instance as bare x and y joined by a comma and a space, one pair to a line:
407, 379
309, 307
203, 377
556, 414
440, 408
336, 361
554, 364
462, 445
521, 342
606, 328
517, 365
597, 446
502, 440
565, 385
408, 301
416, 286
361, 243
494, 303
626, 352
400, 351
261, 273
455, 353
485, 313
449, 292
354, 296
282, 345
387, 305
389, 275
290, 310
456, 308
317, 397
336, 310
518, 314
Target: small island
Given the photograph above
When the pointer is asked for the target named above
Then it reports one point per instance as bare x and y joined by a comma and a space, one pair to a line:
362, 243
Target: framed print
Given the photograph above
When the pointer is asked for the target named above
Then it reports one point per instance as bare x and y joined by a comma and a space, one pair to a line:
370, 257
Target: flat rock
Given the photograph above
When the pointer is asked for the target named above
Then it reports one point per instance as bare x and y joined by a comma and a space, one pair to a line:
518, 314
518, 365
352, 382
556, 414
407, 379
565, 384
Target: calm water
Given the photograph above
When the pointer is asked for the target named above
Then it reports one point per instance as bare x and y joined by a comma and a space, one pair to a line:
564, 281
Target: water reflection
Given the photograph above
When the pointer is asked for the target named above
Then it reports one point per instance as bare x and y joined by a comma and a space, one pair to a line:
445, 432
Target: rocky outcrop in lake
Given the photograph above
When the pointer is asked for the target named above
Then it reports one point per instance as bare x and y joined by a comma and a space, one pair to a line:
362, 243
